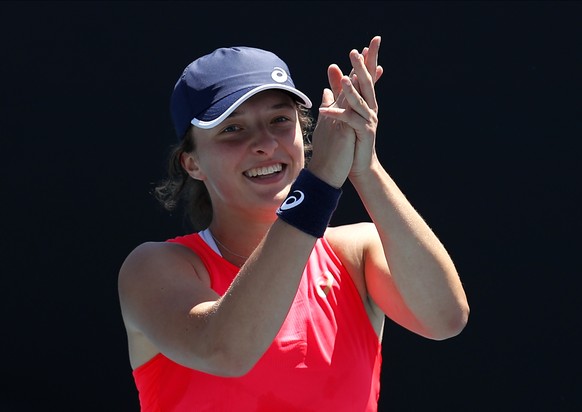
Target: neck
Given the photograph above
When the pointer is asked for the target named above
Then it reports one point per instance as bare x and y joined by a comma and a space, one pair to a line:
237, 242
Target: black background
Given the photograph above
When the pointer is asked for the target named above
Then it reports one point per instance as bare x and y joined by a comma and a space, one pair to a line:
481, 118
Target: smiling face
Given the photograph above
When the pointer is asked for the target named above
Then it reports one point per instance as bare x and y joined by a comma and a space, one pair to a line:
249, 161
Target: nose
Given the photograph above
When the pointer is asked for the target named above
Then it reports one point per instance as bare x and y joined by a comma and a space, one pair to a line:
265, 143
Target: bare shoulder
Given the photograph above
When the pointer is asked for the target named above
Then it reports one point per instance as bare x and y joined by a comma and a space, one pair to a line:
159, 284
154, 259
155, 271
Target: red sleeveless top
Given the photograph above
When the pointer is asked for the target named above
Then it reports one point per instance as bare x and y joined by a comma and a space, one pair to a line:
326, 357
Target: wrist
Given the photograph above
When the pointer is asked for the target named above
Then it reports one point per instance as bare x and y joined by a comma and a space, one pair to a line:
310, 204
362, 175
325, 174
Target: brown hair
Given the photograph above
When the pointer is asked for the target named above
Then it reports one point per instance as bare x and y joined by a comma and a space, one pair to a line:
179, 187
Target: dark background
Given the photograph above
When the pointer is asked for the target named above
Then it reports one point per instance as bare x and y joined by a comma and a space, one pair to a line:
480, 115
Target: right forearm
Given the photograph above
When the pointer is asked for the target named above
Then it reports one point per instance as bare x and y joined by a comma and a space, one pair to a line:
244, 322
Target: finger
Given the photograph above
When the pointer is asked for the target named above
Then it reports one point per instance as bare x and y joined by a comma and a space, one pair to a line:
349, 117
354, 99
371, 60
379, 72
371, 57
334, 75
355, 111
365, 79
365, 52
355, 83
327, 98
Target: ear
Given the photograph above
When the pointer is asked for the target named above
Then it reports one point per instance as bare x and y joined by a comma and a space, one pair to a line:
190, 164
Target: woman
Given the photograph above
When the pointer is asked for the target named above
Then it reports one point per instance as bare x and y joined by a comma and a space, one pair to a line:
265, 307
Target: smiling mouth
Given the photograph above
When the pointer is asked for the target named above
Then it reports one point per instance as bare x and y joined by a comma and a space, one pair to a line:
264, 171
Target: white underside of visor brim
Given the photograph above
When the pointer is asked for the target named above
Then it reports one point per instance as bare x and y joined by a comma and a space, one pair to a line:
212, 123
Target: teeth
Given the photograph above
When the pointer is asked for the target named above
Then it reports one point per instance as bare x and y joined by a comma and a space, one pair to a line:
262, 171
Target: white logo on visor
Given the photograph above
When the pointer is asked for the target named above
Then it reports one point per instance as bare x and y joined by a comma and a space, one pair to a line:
292, 200
279, 75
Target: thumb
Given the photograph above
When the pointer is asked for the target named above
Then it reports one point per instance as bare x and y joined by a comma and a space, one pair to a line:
327, 98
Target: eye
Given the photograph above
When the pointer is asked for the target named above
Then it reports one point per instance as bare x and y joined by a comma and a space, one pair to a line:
281, 119
231, 129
